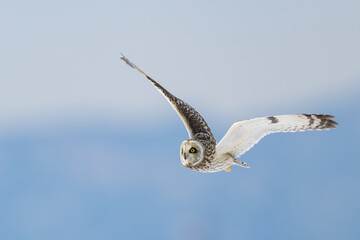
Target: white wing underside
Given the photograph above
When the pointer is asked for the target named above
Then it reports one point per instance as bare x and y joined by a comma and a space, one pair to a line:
243, 135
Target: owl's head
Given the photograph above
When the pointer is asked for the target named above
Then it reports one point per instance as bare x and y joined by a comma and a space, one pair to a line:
191, 153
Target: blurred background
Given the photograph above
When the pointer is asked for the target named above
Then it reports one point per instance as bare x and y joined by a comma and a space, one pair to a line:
90, 150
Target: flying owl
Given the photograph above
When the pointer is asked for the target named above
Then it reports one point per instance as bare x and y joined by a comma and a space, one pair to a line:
201, 152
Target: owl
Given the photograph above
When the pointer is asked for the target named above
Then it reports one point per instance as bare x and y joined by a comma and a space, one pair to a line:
202, 153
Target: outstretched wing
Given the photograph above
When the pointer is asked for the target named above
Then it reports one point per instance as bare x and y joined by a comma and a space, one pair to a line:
192, 120
243, 135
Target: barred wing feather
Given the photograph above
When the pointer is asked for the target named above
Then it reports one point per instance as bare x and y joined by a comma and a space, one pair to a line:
243, 135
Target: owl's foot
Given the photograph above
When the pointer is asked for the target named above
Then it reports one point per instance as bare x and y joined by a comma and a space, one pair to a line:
228, 169
241, 164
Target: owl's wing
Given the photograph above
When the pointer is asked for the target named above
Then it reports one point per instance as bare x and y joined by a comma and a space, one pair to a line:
192, 120
243, 135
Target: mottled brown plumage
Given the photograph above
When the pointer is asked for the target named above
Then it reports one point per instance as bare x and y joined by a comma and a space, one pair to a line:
201, 152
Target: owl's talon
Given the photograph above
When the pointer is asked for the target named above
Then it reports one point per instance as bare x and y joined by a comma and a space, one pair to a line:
228, 169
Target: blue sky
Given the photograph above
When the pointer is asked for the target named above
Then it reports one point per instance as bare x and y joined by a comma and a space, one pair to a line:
74, 118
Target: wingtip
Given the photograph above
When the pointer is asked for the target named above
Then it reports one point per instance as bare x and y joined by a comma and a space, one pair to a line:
127, 61
122, 56
326, 121
329, 123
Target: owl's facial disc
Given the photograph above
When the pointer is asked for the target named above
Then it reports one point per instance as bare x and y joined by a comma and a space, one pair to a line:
191, 153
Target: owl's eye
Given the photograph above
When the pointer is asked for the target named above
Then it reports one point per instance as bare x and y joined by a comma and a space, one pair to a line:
192, 150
